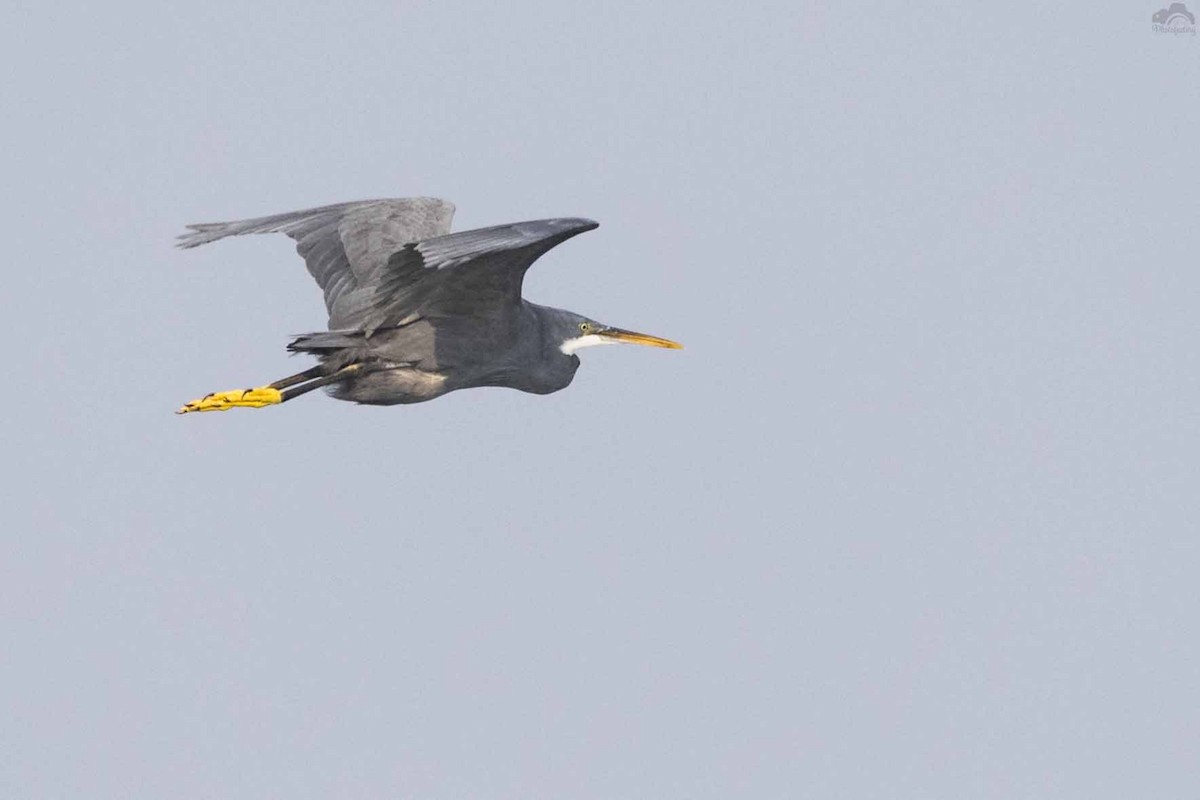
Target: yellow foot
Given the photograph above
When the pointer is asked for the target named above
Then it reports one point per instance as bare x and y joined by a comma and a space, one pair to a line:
238, 398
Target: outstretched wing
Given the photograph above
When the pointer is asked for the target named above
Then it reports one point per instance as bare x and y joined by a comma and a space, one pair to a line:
346, 246
475, 273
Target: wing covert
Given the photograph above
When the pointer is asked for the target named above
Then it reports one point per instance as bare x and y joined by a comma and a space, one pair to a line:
471, 272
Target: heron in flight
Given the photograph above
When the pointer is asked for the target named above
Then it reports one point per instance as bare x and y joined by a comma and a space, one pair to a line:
416, 311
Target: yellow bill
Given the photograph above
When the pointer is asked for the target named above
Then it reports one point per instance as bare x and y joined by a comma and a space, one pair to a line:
633, 337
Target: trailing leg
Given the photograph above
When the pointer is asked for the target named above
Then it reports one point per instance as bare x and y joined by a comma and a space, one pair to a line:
272, 394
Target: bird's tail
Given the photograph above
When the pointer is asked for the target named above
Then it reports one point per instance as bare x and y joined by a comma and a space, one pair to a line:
324, 341
336, 349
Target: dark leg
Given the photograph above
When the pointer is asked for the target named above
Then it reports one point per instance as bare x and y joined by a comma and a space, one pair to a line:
324, 380
319, 371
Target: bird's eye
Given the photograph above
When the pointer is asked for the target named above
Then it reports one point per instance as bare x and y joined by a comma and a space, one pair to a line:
584, 327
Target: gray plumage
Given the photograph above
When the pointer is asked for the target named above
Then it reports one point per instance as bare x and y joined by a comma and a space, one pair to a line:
416, 311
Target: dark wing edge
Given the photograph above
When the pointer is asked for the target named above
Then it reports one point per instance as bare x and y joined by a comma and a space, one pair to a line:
346, 246
467, 271
296, 223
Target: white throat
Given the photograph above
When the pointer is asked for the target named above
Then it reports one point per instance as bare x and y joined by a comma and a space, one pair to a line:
580, 342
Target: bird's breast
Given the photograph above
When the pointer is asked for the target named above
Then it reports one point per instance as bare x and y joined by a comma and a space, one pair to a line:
392, 386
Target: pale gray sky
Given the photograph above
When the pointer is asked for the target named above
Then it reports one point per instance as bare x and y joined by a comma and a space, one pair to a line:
914, 515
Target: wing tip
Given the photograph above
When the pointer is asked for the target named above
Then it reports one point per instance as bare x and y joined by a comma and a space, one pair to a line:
583, 223
567, 225
198, 234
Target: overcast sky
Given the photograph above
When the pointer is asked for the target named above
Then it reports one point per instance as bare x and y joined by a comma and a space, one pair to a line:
915, 513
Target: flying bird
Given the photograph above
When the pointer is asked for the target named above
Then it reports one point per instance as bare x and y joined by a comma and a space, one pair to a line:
416, 311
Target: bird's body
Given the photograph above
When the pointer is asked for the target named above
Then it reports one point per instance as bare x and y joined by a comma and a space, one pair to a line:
415, 311
429, 357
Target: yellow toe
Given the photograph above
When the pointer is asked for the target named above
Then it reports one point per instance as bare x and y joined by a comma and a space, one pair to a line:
238, 398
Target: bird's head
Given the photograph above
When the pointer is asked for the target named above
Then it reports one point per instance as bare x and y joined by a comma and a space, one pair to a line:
573, 333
